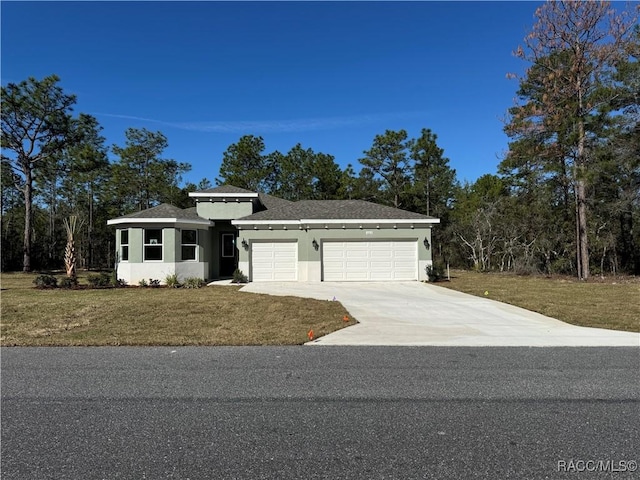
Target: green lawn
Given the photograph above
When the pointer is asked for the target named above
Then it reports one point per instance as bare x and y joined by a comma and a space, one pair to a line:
220, 315
612, 303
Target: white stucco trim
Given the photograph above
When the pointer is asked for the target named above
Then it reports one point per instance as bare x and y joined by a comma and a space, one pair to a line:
244, 267
183, 221
265, 222
368, 221
132, 273
309, 271
335, 221
222, 195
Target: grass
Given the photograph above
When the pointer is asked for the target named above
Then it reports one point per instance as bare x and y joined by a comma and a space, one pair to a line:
220, 315
612, 303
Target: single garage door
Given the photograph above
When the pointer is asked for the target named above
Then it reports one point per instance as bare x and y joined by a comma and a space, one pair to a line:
370, 261
274, 261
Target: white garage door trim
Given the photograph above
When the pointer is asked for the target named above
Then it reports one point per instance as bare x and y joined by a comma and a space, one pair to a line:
357, 261
274, 261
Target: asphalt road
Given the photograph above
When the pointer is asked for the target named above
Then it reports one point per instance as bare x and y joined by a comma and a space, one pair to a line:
322, 412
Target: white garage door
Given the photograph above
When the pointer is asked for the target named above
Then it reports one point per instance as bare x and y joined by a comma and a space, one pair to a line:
369, 261
275, 261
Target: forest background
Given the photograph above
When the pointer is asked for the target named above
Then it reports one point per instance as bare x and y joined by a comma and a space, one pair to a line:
565, 199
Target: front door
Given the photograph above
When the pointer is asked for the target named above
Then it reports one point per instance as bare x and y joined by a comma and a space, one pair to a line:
228, 254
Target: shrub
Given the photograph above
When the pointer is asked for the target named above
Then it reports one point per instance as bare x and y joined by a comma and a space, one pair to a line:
239, 277
435, 272
153, 283
143, 283
121, 282
45, 281
68, 282
172, 281
99, 280
193, 282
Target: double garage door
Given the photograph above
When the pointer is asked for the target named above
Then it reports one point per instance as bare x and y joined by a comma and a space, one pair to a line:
341, 261
369, 261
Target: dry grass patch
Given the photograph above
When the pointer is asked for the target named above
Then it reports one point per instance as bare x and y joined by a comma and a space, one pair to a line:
219, 315
612, 303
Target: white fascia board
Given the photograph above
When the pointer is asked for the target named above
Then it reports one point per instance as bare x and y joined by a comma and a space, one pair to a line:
335, 221
223, 195
265, 222
331, 221
124, 221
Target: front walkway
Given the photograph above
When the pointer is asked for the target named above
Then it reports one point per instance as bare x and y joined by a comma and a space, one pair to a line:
413, 313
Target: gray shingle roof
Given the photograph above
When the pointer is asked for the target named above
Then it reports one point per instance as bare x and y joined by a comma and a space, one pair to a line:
230, 189
269, 201
335, 210
166, 210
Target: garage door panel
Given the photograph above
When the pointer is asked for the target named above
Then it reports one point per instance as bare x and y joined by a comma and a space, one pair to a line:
380, 276
370, 261
404, 263
374, 254
274, 261
351, 265
376, 265
382, 246
352, 245
355, 276
284, 255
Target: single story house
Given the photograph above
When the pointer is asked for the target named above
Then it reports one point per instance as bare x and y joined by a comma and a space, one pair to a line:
271, 239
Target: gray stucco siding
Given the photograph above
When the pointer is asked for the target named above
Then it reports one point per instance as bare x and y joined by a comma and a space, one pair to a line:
305, 237
171, 241
275, 235
204, 245
229, 210
372, 235
135, 245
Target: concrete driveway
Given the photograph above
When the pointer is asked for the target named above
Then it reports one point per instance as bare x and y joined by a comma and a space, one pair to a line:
413, 313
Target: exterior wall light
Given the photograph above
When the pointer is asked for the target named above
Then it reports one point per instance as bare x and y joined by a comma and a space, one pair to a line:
245, 245
426, 243
315, 244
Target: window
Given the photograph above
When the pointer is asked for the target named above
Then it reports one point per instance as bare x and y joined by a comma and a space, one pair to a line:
124, 245
152, 244
189, 244
228, 245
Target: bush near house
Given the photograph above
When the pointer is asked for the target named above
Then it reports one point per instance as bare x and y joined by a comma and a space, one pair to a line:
194, 282
239, 277
100, 280
69, 282
45, 281
172, 281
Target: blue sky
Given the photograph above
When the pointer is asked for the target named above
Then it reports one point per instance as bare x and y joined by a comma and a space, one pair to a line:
327, 75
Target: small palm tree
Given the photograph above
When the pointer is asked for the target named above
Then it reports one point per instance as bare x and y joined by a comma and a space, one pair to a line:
71, 225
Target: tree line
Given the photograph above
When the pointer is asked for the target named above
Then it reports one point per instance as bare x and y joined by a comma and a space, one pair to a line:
565, 198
